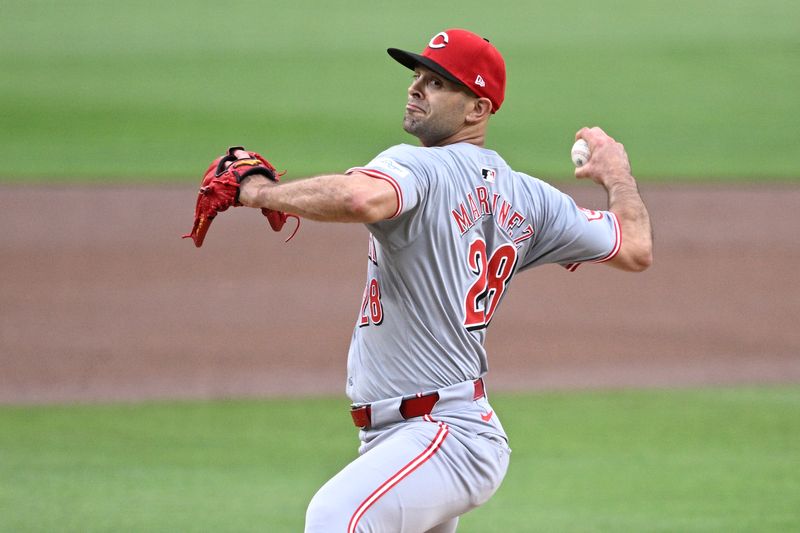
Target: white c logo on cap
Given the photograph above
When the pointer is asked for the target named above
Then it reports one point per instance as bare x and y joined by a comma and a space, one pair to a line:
441, 44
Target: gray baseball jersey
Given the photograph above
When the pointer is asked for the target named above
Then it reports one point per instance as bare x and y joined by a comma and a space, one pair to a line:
466, 223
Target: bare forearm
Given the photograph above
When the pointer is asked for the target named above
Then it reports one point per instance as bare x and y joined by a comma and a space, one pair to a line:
315, 199
332, 198
626, 203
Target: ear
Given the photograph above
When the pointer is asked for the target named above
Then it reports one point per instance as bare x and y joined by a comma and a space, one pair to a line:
479, 110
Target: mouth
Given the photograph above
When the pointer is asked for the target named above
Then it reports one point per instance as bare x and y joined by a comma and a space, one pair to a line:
413, 108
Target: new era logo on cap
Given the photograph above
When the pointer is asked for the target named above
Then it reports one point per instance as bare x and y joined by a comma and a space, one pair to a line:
462, 57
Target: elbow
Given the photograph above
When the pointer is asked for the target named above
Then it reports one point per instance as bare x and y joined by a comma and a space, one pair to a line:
641, 260
362, 207
637, 260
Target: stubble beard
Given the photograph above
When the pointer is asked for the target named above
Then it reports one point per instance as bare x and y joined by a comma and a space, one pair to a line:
427, 131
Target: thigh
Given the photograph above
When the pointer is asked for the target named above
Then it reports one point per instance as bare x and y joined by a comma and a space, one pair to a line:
416, 477
447, 527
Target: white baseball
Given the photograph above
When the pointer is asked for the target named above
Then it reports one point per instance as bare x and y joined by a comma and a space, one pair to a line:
580, 153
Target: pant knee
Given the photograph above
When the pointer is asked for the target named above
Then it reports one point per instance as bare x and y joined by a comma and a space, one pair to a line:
324, 515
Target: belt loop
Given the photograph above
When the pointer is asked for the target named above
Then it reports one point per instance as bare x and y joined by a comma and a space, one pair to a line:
418, 405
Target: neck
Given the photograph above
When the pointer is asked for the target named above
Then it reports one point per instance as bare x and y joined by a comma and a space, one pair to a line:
472, 134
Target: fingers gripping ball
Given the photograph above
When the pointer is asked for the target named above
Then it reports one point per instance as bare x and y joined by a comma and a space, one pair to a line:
580, 153
219, 190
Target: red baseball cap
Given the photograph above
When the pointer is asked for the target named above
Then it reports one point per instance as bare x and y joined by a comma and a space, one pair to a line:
464, 58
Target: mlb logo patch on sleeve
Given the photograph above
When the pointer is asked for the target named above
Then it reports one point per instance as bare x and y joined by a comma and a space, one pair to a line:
488, 174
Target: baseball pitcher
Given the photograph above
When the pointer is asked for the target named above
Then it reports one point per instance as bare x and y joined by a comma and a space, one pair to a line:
451, 224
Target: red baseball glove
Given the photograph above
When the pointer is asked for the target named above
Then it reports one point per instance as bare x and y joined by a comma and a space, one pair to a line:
219, 190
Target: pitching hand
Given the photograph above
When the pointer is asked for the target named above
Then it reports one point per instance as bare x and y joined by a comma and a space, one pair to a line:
608, 163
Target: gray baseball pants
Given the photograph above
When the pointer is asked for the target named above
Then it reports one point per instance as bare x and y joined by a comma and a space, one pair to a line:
417, 475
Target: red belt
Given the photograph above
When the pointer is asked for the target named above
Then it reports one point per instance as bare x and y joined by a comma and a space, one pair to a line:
410, 407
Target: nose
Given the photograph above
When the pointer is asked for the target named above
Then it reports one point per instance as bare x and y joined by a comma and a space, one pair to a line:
415, 89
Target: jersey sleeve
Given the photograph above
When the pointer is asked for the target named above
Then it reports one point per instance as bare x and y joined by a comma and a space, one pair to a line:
398, 167
569, 235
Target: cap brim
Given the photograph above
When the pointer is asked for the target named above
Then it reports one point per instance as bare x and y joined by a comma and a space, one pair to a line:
411, 60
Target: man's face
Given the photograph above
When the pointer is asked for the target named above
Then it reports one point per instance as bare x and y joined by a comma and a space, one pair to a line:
436, 107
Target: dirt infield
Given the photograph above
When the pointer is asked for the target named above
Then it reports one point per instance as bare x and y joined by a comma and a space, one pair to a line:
101, 300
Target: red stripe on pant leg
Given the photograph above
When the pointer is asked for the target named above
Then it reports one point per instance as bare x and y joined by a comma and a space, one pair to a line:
399, 476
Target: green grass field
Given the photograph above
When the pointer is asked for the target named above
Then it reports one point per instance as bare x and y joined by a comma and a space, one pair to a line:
145, 90
663, 460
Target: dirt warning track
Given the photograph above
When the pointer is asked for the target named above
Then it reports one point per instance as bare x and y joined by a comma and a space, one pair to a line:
101, 300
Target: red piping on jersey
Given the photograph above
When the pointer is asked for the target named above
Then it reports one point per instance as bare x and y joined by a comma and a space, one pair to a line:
401, 474
372, 173
617, 235
572, 267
